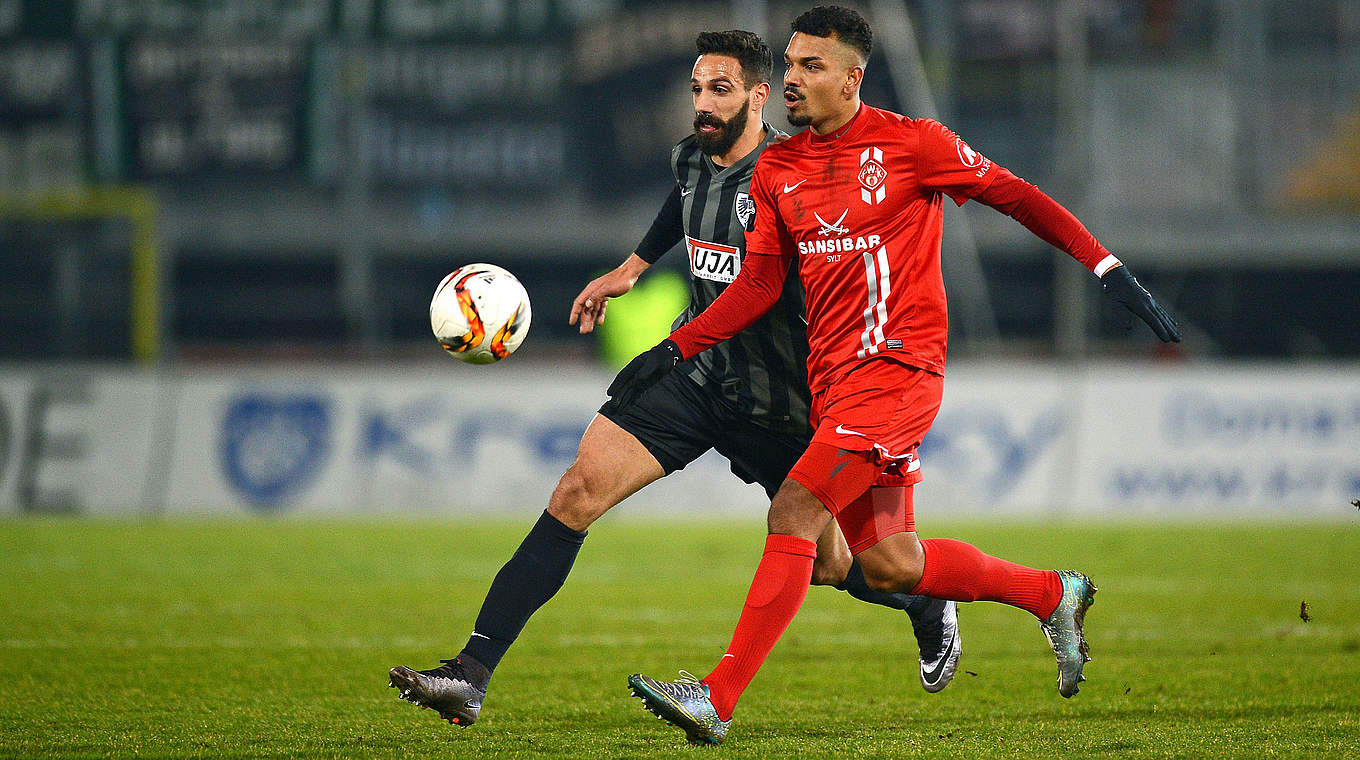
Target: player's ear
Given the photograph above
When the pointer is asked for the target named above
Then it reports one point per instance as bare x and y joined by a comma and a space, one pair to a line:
760, 94
853, 78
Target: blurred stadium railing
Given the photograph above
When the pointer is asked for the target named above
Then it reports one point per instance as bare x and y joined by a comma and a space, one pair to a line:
317, 166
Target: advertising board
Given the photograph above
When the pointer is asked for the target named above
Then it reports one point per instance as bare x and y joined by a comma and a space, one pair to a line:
1027, 440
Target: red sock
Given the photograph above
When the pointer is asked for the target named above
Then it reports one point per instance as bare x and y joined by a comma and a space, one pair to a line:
776, 593
959, 571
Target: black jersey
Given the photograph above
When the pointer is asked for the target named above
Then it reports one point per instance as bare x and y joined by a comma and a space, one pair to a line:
763, 370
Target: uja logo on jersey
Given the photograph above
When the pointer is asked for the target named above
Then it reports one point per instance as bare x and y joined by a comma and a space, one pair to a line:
713, 261
872, 176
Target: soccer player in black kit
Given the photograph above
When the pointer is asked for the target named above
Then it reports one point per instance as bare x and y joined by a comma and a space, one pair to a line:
746, 398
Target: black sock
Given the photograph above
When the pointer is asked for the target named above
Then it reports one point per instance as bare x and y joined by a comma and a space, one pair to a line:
855, 585
525, 583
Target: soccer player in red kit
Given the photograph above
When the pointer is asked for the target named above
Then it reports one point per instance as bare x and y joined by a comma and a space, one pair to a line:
857, 200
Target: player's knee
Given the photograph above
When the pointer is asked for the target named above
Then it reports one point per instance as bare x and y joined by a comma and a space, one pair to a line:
830, 569
833, 558
579, 499
794, 511
892, 573
886, 580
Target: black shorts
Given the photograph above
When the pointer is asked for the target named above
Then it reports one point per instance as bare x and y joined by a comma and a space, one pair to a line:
677, 420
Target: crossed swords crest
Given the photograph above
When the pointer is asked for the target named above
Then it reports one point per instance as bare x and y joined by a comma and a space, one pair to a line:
832, 228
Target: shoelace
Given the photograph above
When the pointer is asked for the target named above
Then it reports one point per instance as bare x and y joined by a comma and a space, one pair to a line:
689, 687
455, 671
450, 669
447, 669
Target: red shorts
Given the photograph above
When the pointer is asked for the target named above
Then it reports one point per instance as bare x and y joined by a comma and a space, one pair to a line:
882, 407
878, 513
869, 425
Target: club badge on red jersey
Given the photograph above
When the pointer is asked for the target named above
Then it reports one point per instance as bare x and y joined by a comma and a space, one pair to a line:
872, 176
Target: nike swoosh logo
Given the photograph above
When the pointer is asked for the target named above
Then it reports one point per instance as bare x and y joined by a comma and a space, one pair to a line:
481, 635
843, 431
932, 675
686, 192
724, 657
790, 188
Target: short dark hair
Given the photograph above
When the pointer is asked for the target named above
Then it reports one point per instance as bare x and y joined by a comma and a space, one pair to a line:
842, 23
747, 47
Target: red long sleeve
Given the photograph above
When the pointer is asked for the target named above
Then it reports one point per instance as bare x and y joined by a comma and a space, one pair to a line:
751, 294
1047, 219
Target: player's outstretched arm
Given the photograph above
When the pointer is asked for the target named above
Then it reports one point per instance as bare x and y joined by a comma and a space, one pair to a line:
1122, 287
757, 288
1055, 225
589, 306
667, 229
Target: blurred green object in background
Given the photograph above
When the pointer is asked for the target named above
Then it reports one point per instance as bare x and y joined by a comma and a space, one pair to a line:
639, 319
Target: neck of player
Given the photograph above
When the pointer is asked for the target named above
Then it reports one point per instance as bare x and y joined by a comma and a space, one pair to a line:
839, 118
754, 134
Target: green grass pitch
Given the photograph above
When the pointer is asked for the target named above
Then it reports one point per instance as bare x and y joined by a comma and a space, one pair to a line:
273, 639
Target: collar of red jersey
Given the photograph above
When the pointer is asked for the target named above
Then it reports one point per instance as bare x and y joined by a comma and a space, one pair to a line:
826, 140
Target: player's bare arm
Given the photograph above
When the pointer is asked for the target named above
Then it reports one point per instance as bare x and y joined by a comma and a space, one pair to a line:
591, 303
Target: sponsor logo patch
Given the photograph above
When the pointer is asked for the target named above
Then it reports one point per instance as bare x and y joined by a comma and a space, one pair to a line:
713, 261
832, 228
839, 245
971, 158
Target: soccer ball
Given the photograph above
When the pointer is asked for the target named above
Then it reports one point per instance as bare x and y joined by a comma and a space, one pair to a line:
480, 313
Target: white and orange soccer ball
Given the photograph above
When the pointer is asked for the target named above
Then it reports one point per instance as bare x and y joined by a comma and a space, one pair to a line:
480, 313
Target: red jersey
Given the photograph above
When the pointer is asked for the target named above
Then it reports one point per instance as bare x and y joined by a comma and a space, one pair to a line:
862, 213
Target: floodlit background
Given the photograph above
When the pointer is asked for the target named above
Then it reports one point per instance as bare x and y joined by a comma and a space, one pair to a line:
221, 222
220, 225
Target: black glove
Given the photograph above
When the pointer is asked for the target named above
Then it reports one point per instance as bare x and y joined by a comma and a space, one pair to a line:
1120, 285
644, 370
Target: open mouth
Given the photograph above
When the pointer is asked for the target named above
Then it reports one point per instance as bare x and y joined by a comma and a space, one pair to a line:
707, 125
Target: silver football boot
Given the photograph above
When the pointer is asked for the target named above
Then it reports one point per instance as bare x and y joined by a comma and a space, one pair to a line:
449, 690
1064, 629
683, 703
939, 642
